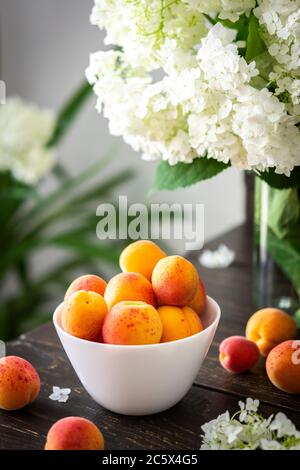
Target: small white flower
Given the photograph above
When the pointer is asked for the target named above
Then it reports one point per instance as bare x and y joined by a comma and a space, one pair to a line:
60, 394
232, 431
284, 426
252, 405
267, 444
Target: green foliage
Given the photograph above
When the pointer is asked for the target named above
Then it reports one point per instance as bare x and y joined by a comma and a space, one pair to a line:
183, 175
69, 113
286, 253
241, 26
283, 241
281, 181
255, 44
63, 219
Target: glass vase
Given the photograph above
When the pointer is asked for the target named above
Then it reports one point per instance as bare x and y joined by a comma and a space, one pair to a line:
277, 247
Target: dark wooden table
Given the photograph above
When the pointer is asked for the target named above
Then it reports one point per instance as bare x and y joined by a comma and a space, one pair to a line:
179, 428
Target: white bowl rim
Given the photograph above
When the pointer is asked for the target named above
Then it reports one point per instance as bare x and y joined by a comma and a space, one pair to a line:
138, 346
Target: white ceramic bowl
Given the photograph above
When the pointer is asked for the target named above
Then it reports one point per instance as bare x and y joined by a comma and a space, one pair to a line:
140, 380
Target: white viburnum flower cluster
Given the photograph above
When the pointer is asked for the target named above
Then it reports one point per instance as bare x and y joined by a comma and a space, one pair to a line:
280, 22
142, 28
201, 101
24, 133
226, 9
248, 430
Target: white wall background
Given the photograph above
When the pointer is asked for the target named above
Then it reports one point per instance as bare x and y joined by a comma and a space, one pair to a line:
45, 46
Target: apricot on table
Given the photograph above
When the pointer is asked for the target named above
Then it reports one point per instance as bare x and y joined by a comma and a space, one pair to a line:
198, 302
129, 286
83, 314
178, 323
19, 383
269, 327
74, 433
88, 282
283, 366
132, 323
174, 281
141, 257
238, 354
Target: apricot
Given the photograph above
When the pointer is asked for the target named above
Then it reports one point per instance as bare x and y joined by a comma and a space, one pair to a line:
198, 302
74, 433
19, 383
141, 257
178, 323
88, 282
129, 286
132, 322
283, 366
83, 314
174, 281
269, 327
238, 354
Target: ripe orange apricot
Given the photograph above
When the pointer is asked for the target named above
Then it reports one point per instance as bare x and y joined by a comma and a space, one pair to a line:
132, 323
129, 286
283, 366
198, 302
269, 327
19, 383
141, 257
83, 315
174, 281
74, 433
178, 323
88, 282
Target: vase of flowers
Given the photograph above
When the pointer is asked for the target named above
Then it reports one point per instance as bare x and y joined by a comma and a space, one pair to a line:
205, 85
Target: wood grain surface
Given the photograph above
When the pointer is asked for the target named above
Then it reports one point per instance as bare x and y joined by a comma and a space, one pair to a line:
178, 428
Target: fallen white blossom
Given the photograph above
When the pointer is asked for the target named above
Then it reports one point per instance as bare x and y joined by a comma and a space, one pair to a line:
60, 394
222, 257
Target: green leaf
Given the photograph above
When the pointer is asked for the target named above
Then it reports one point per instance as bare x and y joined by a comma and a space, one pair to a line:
281, 181
284, 211
255, 44
21, 193
286, 253
241, 26
264, 63
69, 113
65, 190
79, 203
186, 174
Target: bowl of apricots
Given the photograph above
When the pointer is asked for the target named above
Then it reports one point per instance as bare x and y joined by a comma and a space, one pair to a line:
138, 341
